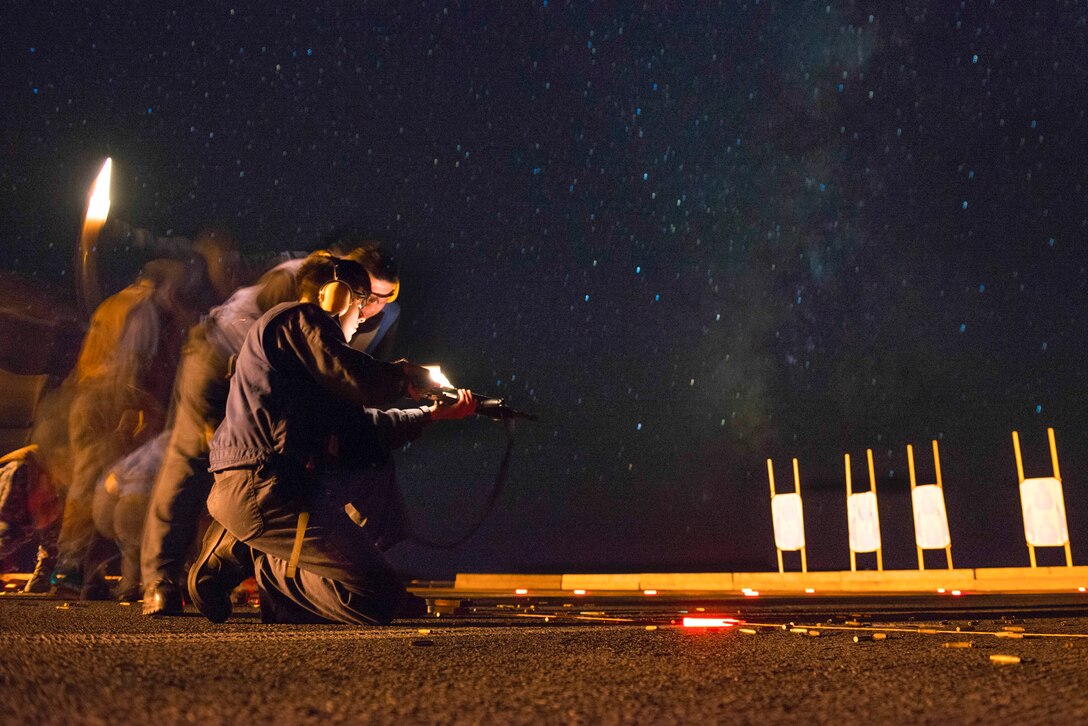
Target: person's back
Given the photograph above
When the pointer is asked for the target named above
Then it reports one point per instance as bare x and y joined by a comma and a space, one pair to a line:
284, 403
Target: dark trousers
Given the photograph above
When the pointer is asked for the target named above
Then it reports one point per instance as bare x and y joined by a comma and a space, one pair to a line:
183, 481
342, 576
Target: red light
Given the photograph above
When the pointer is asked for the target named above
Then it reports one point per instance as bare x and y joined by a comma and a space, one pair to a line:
956, 593
710, 622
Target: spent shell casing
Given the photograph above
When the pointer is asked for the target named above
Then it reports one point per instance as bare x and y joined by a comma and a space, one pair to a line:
748, 631
1005, 634
958, 644
1013, 628
799, 631
1002, 659
867, 637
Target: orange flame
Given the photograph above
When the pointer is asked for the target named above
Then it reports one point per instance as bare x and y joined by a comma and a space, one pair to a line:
98, 207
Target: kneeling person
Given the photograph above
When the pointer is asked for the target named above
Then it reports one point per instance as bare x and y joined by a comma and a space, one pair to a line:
300, 440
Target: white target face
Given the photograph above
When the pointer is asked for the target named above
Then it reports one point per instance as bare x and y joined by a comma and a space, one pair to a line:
930, 517
789, 522
1044, 512
864, 522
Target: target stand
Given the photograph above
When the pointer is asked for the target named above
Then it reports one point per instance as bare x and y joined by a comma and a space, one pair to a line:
1043, 503
930, 515
862, 517
787, 514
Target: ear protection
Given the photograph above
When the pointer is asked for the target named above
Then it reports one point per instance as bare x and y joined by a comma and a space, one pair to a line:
335, 296
396, 291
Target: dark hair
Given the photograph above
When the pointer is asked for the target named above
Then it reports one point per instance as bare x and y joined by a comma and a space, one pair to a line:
378, 263
322, 267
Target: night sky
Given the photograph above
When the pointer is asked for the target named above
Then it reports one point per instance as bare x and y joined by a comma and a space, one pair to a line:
690, 237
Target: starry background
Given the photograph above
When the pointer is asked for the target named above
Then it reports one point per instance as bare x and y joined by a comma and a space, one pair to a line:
691, 237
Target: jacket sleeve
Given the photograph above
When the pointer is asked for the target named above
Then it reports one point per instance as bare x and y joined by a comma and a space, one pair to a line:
394, 428
314, 339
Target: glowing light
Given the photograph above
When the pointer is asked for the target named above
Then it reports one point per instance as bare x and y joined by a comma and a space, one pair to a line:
98, 207
1082, 589
690, 622
749, 592
521, 591
810, 590
579, 592
438, 377
956, 593
940, 590
649, 592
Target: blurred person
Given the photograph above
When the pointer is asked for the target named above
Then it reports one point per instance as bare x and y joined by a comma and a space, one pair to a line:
121, 386
36, 481
292, 460
212, 255
30, 507
120, 507
199, 400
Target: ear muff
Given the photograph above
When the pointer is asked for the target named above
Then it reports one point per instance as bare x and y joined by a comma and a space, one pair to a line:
396, 291
335, 296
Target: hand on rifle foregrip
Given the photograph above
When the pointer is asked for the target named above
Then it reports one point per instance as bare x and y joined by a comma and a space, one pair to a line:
449, 408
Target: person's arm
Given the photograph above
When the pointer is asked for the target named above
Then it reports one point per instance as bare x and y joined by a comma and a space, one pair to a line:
393, 428
314, 339
396, 427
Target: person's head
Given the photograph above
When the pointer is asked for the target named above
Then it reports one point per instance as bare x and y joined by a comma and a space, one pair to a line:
383, 274
219, 248
339, 286
174, 285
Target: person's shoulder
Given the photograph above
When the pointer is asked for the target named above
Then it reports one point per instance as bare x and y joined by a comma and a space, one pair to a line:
304, 316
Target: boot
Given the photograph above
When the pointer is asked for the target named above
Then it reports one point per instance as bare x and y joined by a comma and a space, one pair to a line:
222, 565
